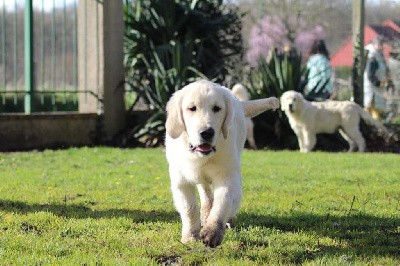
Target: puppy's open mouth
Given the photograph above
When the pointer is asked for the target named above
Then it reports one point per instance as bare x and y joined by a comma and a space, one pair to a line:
204, 148
291, 109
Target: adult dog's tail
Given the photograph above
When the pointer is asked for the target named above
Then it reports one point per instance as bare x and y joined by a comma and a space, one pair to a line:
371, 121
255, 107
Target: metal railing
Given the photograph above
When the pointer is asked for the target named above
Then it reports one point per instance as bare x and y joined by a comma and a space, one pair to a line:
38, 67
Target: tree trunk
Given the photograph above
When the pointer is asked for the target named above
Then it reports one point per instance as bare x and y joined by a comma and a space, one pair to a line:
358, 51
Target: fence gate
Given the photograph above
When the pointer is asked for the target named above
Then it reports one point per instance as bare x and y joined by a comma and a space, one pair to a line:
38, 56
62, 56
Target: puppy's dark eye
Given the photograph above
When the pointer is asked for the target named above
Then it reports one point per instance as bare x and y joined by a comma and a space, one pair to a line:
192, 109
216, 109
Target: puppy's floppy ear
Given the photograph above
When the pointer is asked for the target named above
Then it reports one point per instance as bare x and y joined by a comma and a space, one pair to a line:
228, 114
300, 99
175, 124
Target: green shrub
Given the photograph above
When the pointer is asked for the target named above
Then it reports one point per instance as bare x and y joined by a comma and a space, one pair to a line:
272, 78
343, 72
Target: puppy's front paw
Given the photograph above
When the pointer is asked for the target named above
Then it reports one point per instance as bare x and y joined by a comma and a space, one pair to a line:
190, 237
274, 103
212, 235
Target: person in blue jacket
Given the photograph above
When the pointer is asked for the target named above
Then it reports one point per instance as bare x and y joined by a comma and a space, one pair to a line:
319, 85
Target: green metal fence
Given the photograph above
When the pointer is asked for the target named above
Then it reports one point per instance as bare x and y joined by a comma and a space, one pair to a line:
38, 67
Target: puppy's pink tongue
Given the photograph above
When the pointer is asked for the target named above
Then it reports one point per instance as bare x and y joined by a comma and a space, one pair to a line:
204, 148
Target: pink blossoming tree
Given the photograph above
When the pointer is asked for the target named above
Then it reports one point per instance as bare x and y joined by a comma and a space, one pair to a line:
274, 32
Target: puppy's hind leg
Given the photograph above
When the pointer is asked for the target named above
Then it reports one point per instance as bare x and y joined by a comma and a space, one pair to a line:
226, 203
352, 144
185, 203
250, 133
357, 137
206, 200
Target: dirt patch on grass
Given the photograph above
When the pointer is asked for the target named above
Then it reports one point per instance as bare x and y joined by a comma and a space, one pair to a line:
376, 143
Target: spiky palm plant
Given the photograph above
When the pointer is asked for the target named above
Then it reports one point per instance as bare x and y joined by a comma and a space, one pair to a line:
277, 75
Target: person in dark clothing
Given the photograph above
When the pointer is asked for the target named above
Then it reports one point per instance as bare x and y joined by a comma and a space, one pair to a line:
375, 79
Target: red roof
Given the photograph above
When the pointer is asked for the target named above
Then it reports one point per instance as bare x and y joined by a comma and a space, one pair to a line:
394, 24
390, 30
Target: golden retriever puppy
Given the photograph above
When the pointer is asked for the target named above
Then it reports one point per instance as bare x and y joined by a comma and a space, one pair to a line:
241, 93
205, 135
309, 118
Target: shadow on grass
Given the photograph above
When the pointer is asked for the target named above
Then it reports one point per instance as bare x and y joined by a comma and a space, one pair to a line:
358, 234
83, 212
354, 234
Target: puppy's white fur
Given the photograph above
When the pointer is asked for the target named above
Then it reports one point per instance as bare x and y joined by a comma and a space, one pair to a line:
309, 118
241, 93
213, 164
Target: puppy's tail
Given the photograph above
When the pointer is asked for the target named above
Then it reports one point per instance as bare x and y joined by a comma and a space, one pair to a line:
370, 120
255, 107
240, 92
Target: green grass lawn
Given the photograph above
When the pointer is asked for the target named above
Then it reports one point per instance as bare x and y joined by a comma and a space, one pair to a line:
114, 207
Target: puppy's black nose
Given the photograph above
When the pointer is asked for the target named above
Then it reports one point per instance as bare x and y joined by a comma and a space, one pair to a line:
207, 134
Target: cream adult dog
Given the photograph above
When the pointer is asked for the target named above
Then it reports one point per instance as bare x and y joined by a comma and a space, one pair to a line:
205, 135
309, 118
241, 93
